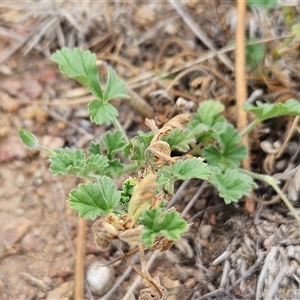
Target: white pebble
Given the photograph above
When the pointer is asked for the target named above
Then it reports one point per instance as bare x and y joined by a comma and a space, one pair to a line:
100, 278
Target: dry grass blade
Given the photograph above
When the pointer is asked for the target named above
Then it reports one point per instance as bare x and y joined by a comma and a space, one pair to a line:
200, 34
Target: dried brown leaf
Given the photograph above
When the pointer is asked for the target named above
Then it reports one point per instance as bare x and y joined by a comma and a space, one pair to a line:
151, 124
143, 192
132, 236
179, 121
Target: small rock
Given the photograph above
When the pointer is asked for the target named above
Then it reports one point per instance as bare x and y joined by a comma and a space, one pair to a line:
64, 272
205, 231
33, 88
60, 248
145, 14
172, 297
100, 278
12, 149
169, 283
190, 283
30, 242
14, 231
41, 295
62, 292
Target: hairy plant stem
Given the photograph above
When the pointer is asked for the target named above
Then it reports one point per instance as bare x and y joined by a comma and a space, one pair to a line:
48, 151
127, 169
273, 182
250, 127
118, 126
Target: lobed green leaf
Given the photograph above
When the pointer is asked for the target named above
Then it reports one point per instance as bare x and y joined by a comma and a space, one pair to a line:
208, 113
102, 112
91, 199
228, 153
137, 147
166, 179
190, 168
94, 148
156, 224
81, 66
114, 167
115, 87
231, 183
96, 163
113, 142
67, 161
265, 111
128, 188
180, 139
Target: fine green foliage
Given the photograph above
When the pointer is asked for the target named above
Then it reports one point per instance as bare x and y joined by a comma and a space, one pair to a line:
208, 113
182, 170
94, 148
296, 31
65, 161
137, 146
128, 187
113, 143
93, 199
156, 224
213, 146
264, 3
255, 54
264, 111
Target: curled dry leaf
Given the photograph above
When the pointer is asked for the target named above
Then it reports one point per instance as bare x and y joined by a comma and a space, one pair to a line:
161, 152
102, 239
162, 244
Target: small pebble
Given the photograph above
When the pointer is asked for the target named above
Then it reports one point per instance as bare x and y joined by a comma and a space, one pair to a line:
100, 278
41, 295
190, 283
205, 231
60, 248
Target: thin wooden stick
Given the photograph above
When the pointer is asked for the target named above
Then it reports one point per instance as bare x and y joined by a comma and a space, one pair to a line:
80, 254
241, 85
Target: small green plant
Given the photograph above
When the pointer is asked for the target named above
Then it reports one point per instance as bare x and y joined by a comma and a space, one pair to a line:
255, 55
210, 146
263, 3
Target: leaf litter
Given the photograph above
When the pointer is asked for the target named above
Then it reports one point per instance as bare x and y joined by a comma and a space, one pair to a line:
154, 47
